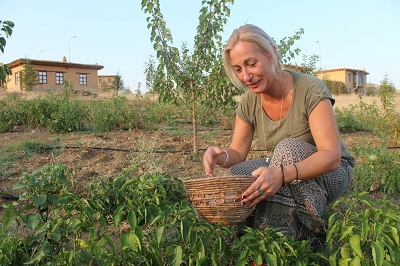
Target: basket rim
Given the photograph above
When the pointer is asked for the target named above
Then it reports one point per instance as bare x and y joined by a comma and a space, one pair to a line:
188, 179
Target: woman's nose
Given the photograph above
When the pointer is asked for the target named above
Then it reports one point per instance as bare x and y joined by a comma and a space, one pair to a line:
246, 75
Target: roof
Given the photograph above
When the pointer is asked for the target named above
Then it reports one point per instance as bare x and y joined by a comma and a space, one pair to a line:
343, 69
21, 61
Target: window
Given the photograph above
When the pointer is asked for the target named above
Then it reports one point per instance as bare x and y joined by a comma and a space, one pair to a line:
16, 78
59, 78
42, 77
361, 79
83, 79
109, 80
349, 77
354, 78
99, 81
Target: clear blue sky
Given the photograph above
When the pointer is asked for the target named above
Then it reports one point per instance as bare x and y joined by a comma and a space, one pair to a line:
347, 34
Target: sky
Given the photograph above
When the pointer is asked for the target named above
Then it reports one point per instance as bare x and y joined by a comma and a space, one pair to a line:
356, 34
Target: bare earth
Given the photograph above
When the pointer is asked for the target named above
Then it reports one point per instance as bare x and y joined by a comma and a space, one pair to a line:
106, 154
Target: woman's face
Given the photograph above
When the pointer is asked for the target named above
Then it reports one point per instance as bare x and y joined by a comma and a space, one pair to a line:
252, 67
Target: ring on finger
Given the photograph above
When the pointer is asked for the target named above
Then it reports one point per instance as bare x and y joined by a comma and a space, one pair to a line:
259, 191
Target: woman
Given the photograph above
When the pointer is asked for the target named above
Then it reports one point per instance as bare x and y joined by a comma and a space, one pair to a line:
293, 117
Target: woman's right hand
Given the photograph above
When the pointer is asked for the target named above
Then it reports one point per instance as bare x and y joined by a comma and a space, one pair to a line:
210, 159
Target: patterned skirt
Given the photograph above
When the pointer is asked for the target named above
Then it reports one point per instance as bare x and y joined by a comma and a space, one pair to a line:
295, 210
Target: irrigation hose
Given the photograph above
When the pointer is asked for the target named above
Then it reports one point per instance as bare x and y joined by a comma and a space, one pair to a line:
8, 196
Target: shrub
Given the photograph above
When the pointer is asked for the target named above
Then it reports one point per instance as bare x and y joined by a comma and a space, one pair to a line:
361, 233
377, 169
335, 87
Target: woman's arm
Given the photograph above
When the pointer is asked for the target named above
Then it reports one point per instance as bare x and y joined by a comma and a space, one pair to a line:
237, 151
327, 139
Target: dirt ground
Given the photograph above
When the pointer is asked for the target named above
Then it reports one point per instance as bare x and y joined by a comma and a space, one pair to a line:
106, 154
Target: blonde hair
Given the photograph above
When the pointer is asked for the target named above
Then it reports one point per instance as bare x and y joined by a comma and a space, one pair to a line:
254, 34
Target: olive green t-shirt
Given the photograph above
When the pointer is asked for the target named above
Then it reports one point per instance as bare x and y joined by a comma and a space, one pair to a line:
308, 91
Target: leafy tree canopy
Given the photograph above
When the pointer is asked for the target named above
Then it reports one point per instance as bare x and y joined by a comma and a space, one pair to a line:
7, 28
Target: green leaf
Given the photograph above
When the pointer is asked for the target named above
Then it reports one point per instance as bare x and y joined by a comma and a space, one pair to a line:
33, 220
178, 255
9, 23
127, 184
53, 198
355, 245
2, 43
243, 254
129, 240
184, 229
155, 220
346, 232
36, 258
395, 235
258, 260
159, 233
19, 185
39, 199
271, 259
344, 261
247, 237
132, 219
355, 262
8, 31
345, 251
377, 254
118, 215
3, 75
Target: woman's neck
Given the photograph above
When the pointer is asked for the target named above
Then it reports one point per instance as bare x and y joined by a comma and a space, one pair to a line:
280, 88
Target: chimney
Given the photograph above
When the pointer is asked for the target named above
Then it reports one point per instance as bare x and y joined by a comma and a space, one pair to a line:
64, 59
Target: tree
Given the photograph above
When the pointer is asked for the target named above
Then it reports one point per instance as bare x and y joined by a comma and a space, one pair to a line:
28, 76
386, 87
286, 44
138, 91
150, 71
7, 28
195, 79
335, 87
371, 90
390, 117
118, 83
104, 87
309, 63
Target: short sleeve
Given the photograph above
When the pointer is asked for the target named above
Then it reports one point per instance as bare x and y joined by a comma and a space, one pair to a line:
246, 108
317, 91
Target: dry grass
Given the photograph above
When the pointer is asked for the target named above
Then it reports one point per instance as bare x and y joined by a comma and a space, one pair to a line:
341, 100
347, 100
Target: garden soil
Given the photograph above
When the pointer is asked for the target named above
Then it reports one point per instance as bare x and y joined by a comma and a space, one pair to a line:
92, 156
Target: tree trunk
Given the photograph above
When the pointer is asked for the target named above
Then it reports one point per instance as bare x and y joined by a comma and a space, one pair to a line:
194, 118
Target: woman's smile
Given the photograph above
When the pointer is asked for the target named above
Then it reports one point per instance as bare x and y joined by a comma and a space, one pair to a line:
253, 84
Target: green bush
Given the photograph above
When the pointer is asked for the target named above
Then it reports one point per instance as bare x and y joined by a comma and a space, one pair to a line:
69, 114
347, 122
383, 121
133, 220
335, 87
147, 220
377, 169
361, 233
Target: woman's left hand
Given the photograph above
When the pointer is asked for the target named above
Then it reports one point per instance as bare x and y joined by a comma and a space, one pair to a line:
269, 181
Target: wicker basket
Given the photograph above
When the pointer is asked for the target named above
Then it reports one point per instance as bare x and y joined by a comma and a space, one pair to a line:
218, 199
